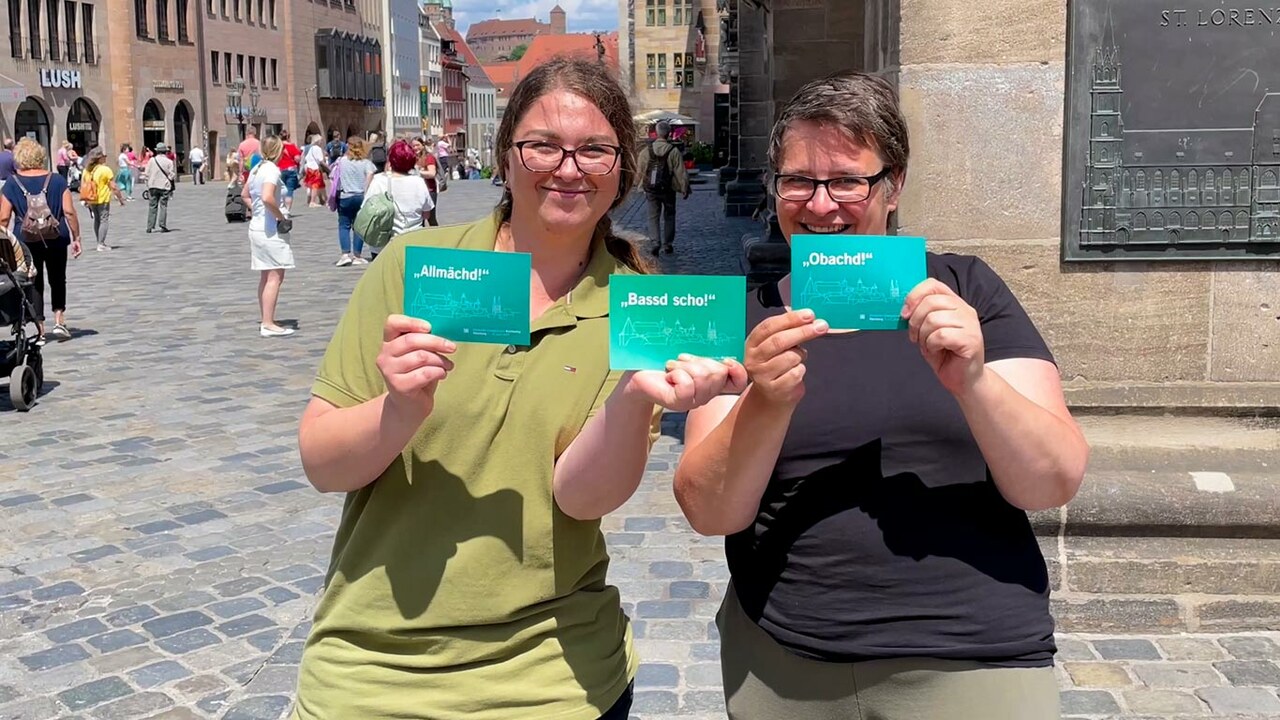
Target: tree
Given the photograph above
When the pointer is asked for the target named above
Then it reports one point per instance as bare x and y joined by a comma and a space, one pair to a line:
518, 52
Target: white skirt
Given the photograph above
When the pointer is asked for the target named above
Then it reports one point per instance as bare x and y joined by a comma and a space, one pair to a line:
270, 252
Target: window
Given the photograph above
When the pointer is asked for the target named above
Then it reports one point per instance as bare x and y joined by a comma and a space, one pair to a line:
677, 16
662, 13
209, 8
15, 28
162, 19
651, 63
650, 12
226, 65
239, 66
262, 70
662, 70
262, 16
271, 13
183, 35
69, 17
235, 6
253, 75
33, 27
224, 9
140, 18
52, 9
688, 69
86, 16
214, 69
275, 73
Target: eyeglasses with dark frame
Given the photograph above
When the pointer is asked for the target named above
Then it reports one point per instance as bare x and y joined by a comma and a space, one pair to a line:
541, 156
847, 189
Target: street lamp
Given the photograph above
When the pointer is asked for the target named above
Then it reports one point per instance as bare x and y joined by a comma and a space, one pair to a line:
235, 96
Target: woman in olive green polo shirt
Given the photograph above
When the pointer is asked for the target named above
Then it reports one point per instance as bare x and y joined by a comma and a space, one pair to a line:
468, 573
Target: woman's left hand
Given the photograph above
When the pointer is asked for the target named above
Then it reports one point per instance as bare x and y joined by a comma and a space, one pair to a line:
949, 333
76, 248
689, 382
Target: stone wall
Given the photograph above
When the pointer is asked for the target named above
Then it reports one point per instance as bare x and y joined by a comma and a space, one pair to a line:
982, 86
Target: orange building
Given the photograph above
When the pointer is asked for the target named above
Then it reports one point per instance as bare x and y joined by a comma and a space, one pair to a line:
505, 75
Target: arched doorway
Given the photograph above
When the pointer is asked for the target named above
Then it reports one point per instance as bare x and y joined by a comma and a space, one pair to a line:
152, 124
182, 133
83, 124
32, 121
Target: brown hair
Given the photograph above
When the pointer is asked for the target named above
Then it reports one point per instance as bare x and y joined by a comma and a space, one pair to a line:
864, 106
596, 83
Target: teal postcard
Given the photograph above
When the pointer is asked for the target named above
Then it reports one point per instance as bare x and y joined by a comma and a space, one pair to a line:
856, 282
469, 295
655, 318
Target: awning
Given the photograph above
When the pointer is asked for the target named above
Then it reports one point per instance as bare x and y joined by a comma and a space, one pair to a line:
11, 91
671, 118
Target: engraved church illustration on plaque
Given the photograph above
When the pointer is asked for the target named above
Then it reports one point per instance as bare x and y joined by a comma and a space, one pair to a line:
1173, 132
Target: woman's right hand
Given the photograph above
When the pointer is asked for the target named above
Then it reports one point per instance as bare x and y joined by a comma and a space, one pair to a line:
774, 356
413, 363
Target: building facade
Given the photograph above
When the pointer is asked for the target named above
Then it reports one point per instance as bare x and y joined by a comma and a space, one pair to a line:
494, 40
336, 70
453, 67
55, 81
404, 61
669, 50
245, 72
432, 90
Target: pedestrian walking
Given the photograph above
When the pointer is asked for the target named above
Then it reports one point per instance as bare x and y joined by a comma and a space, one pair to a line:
97, 187
336, 148
161, 181
196, 158
315, 169
7, 166
427, 171
664, 177
352, 177
289, 163
882, 563
65, 159
409, 195
378, 151
124, 170
269, 229
469, 569
248, 147
43, 213
443, 149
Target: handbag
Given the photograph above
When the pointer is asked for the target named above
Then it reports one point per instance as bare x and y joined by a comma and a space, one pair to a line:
335, 182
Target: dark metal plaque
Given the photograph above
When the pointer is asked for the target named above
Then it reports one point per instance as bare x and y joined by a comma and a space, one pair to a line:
1172, 130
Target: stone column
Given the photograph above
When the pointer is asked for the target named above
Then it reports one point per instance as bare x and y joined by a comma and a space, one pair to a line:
755, 111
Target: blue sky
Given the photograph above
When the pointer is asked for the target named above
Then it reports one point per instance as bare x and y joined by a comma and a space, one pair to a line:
583, 15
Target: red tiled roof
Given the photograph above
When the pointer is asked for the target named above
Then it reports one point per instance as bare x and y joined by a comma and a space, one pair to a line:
545, 47
504, 76
515, 26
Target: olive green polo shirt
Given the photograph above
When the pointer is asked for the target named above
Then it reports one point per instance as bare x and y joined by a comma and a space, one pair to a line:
457, 588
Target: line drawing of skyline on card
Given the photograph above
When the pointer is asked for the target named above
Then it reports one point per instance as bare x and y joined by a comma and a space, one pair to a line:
433, 305
658, 334
842, 293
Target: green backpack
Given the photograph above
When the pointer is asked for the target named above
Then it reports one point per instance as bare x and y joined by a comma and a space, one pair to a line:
376, 219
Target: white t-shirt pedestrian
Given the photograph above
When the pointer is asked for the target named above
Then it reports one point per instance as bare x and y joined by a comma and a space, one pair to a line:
196, 155
411, 197
122, 161
315, 157
265, 173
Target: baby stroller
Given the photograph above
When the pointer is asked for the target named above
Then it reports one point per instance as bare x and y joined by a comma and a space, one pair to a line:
20, 359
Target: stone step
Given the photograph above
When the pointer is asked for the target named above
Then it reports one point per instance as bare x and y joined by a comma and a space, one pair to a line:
1161, 614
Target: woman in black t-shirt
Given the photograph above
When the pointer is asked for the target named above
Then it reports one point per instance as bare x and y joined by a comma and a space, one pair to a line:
874, 485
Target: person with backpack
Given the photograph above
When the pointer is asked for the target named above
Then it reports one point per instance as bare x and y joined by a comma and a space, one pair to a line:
336, 148
97, 187
43, 213
351, 179
378, 151
663, 173
395, 202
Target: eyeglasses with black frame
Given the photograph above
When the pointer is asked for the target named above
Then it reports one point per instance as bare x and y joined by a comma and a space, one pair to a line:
541, 156
847, 189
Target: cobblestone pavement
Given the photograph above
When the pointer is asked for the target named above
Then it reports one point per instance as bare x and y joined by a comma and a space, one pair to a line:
161, 551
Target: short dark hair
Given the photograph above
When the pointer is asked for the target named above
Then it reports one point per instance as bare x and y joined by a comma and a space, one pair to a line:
663, 129
864, 106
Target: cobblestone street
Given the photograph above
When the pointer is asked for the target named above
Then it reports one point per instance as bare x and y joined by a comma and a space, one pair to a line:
161, 552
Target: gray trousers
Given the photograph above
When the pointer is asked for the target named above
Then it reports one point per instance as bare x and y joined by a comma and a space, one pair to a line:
765, 681
662, 219
101, 214
159, 202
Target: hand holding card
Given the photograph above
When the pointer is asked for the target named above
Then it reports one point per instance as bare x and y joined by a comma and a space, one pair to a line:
412, 363
856, 282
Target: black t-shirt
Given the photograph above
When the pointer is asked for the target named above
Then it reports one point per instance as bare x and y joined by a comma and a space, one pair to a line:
881, 533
